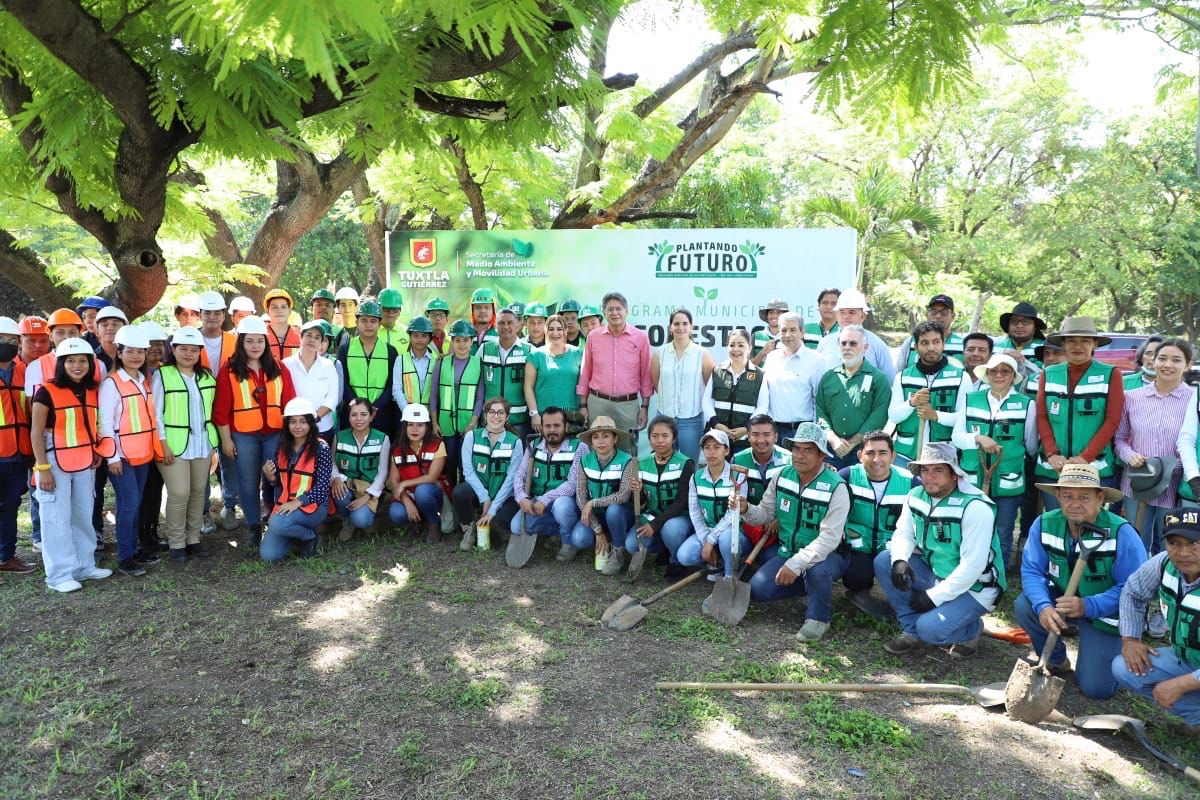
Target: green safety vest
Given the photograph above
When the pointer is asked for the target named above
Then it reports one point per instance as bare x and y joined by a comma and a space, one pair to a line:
1076, 416
761, 339
735, 400
491, 461
660, 483
368, 375
801, 508
1008, 429
938, 533
1005, 343
870, 525
1183, 614
456, 404
814, 333
606, 480
177, 408
489, 336
1097, 576
952, 348
397, 337
506, 379
355, 461
943, 396
1134, 380
415, 389
713, 496
551, 469
756, 485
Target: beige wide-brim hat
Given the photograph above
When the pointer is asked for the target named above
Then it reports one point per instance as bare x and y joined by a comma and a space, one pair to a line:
1078, 326
774, 305
1081, 476
604, 424
939, 453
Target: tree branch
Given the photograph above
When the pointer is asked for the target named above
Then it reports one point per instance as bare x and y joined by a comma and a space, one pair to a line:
734, 43
466, 181
638, 216
21, 267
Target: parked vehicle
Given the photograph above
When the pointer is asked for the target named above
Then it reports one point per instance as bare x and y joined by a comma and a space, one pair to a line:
1121, 350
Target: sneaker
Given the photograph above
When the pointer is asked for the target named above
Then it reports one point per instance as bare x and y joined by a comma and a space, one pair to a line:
209, 526
37, 547
714, 575
146, 559
1156, 625
566, 553
66, 586
198, 550
468, 540
229, 519
616, 560
94, 574
966, 649
812, 631
347, 531
178, 555
131, 568
903, 643
15, 564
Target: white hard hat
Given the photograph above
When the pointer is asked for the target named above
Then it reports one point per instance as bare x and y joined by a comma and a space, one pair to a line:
299, 407
241, 303
132, 336
73, 347
190, 302
852, 298
212, 301
112, 312
154, 332
8, 326
252, 324
188, 335
415, 412
346, 293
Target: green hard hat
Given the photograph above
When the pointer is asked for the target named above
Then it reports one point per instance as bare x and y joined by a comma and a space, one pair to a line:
569, 305
460, 327
585, 312
420, 325
370, 308
391, 298
536, 310
483, 297
437, 304
517, 308
321, 294
327, 329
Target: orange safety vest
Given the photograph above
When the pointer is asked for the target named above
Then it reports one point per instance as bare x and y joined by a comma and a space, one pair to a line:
136, 424
14, 415
76, 440
414, 465
228, 342
285, 348
298, 479
247, 413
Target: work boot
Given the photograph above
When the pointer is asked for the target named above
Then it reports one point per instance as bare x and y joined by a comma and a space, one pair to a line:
616, 560
966, 649
229, 520
198, 550
253, 537
468, 538
178, 555
347, 531
433, 533
812, 631
903, 643
566, 553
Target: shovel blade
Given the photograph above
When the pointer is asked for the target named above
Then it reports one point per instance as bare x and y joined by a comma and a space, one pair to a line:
1105, 722
620, 604
990, 695
636, 562
520, 549
730, 601
1031, 695
624, 620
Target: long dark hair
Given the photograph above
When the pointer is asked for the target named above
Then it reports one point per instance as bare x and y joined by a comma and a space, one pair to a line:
312, 442
402, 445
119, 363
60, 373
239, 360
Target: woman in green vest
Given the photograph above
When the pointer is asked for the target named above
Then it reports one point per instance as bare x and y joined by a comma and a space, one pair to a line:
997, 430
490, 457
360, 468
183, 401
457, 401
603, 495
1144, 360
551, 375
662, 479
708, 507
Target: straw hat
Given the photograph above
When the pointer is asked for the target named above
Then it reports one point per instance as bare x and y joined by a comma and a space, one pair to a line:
1082, 476
604, 424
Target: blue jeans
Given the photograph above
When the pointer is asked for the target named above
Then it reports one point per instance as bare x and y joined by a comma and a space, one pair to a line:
687, 440
615, 522
12, 485
252, 450
725, 545
848, 460
362, 517
1007, 509
1093, 666
1151, 529
428, 497
284, 529
816, 582
956, 621
657, 543
129, 487
558, 520
1163, 667
690, 552
674, 533
227, 469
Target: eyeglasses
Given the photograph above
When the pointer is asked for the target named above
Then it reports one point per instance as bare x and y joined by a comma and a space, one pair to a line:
497, 412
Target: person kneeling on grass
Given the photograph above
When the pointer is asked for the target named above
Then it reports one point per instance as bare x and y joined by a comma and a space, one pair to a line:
418, 481
708, 507
490, 458
301, 472
544, 485
662, 479
811, 502
360, 467
942, 570
603, 494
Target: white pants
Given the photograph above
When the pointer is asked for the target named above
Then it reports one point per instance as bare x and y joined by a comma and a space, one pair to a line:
68, 541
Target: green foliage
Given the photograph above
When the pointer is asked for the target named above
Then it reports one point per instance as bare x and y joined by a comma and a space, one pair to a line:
852, 728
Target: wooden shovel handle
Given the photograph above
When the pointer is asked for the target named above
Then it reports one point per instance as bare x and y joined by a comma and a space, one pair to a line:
1072, 587
902, 688
674, 587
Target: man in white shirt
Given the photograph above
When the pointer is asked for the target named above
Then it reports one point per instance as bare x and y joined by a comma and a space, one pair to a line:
793, 374
852, 309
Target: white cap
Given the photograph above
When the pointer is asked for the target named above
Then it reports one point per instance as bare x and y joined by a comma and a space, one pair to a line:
252, 324
8, 326
241, 303
718, 436
996, 360
346, 293
312, 323
132, 336
852, 298
154, 332
299, 407
73, 347
112, 312
190, 302
415, 412
188, 335
212, 301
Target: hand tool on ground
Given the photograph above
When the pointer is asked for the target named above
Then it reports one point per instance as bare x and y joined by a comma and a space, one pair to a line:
731, 596
989, 696
521, 545
626, 611
1120, 722
638, 559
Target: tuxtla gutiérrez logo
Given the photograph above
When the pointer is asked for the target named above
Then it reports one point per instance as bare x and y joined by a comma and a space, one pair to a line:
422, 252
706, 259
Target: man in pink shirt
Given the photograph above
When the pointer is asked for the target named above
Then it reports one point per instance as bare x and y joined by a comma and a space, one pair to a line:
616, 370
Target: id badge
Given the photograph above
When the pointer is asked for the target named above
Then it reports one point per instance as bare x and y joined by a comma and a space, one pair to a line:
1054, 571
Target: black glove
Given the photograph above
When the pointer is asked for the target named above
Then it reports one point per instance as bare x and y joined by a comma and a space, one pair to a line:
902, 576
919, 601
1194, 483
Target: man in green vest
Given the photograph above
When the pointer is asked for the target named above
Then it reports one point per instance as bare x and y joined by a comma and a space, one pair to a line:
366, 362
483, 318
767, 339
1170, 677
390, 330
456, 400
928, 398
569, 311
437, 311
413, 371
503, 362
851, 399
942, 570
827, 321
546, 498
535, 323
941, 310
1046, 564
1024, 331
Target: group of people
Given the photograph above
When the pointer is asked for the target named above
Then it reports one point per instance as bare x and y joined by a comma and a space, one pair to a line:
843, 463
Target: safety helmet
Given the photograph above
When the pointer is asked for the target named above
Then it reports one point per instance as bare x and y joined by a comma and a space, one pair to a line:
8, 327
326, 328
33, 326
252, 324
420, 325
517, 307
63, 316
589, 311
299, 407
190, 336
241, 303
112, 312
212, 301
346, 293
277, 294
131, 336
189, 302
92, 302
391, 298
321, 294
569, 305
312, 323
461, 327
154, 332
73, 347
536, 310
369, 308
415, 412
483, 297
437, 304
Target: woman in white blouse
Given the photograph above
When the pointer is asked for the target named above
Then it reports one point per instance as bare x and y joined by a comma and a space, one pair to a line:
315, 377
680, 371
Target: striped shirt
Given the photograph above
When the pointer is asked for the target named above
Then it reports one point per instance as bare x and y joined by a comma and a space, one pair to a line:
1141, 589
1150, 425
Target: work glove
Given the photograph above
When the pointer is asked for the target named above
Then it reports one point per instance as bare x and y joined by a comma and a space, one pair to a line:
919, 601
902, 576
1194, 483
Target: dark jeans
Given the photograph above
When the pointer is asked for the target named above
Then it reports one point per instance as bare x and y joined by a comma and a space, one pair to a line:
860, 573
129, 486
98, 503
12, 486
467, 508
151, 511
453, 458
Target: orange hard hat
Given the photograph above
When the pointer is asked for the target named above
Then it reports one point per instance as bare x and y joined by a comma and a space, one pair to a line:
64, 316
33, 326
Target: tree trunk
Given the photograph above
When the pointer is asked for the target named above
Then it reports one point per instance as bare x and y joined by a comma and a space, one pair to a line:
376, 234
26, 288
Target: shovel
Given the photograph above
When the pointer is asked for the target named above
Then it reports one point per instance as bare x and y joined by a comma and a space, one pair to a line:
989, 696
1119, 722
521, 545
626, 611
730, 597
638, 559
1032, 692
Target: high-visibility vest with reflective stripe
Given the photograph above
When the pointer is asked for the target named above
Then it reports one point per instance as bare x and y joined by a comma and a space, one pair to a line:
285, 347
761, 339
456, 404
938, 533
814, 333
14, 415
1028, 351
755, 483
443, 348
247, 416
490, 462
177, 408
661, 483
228, 343
47, 363
1007, 428
952, 348
870, 523
415, 464
137, 429
506, 379
296, 480
416, 389
397, 337
800, 508
75, 441
1183, 614
943, 396
712, 495
1076, 415
550, 470
735, 400
606, 480
1098, 574
358, 461
367, 374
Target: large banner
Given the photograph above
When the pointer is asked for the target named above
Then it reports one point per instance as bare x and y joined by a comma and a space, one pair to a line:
723, 276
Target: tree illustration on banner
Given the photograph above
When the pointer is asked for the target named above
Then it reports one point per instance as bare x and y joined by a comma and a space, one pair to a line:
704, 296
